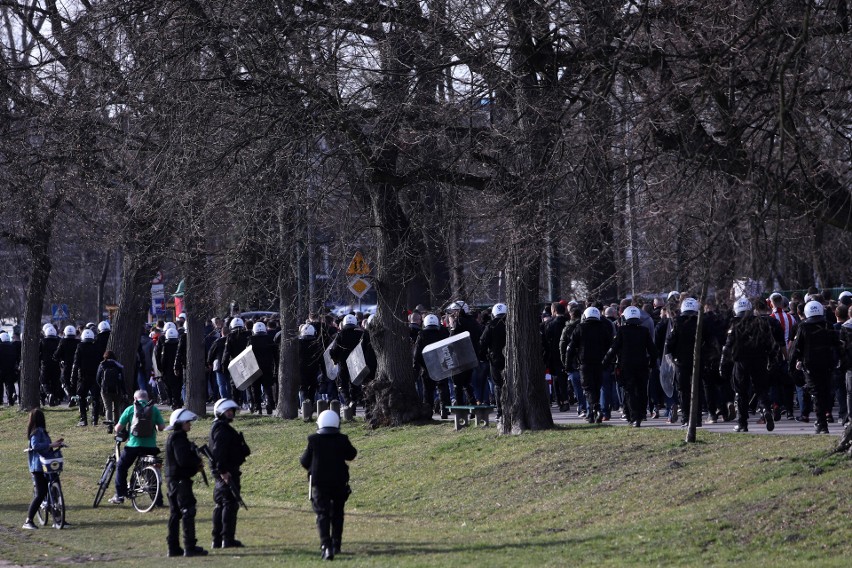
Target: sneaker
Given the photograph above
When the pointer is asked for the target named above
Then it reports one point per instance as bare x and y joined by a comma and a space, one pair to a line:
82, 423
29, 525
741, 428
327, 553
821, 428
655, 413
711, 419
116, 500
732, 412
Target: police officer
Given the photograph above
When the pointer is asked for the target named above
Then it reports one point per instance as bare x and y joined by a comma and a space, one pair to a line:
64, 355
229, 450
310, 361
633, 349
590, 341
9, 361
748, 351
235, 343
680, 344
84, 373
166, 355
49, 367
461, 321
102, 337
816, 352
492, 347
344, 343
182, 463
264, 352
432, 332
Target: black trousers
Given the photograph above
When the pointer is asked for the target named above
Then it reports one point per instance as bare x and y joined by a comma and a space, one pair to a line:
328, 503
751, 377
225, 510
818, 384
181, 508
499, 381
462, 384
40, 483
634, 381
591, 377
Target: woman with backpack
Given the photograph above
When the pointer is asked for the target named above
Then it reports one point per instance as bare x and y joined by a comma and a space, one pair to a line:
110, 380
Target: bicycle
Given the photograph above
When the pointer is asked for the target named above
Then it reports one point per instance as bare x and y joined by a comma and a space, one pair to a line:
54, 502
144, 485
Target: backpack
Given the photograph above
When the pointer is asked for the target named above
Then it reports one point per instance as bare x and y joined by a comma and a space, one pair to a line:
111, 382
143, 422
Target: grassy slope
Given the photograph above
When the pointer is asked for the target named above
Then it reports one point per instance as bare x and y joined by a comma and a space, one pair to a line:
425, 495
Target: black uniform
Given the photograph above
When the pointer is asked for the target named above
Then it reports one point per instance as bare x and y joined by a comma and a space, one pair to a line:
590, 341
229, 451
101, 340
166, 354
462, 381
182, 463
325, 459
817, 347
264, 351
492, 347
9, 361
427, 336
49, 371
64, 356
751, 347
84, 373
235, 343
551, 333
680, 344
310, 361
634, 351
344, 343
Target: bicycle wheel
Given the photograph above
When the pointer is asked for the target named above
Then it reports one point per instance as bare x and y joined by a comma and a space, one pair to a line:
144, 489
57, 508
103, 482
42, 512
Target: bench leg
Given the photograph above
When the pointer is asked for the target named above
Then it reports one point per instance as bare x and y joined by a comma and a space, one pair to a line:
482, 416
461, 419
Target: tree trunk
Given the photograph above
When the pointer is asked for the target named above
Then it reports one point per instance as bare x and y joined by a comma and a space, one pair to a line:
30, 395
526, 403
99, 310
288, 353
129, 320
391, 391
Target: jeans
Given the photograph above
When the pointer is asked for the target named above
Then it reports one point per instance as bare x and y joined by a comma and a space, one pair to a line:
582, 404
804, 399
224, 384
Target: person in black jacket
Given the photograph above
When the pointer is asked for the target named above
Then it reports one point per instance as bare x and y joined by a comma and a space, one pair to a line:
84, 374
576, 313
816, 352
432, 332
64, 355
492, 347
166, 355
49, 368
590, 341
102, 338
235, 343
461, 321
325, 459
9, 362
182, 463
229, 450
110, 380
749, 349
310, 361
551, 333
634, 350
680, 344
264, 352
346, 340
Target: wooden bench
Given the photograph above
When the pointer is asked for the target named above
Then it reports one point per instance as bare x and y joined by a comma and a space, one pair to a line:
461, 415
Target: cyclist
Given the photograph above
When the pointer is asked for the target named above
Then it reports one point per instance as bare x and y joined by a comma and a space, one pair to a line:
40, 445
141, 421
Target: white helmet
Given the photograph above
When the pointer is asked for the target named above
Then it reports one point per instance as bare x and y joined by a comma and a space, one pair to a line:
49, 330
431, 321
90, 325
328, 419
182, 316
673, 294
844, 294
350, 321
4, 337
741, 306
181, 415
459, 305
103, 326
223, 405
169, 325
631, 313
70, 331
592, 313
258, 328
172, 333
236, 322
689, 305
814, 309
499, 310
307, 330
88, 335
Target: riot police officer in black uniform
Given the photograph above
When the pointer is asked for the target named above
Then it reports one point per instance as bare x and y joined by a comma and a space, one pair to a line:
49, 367
166, 354
182, 463
461, 321
85, 371
346, 340
264, 352
492, 347
680, 343
748, 350
65, 357
310, 361
229, 451
633, 349
590, 341
432, 332
816, 352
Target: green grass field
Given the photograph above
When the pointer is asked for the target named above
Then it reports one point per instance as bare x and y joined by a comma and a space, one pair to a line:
426, 495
